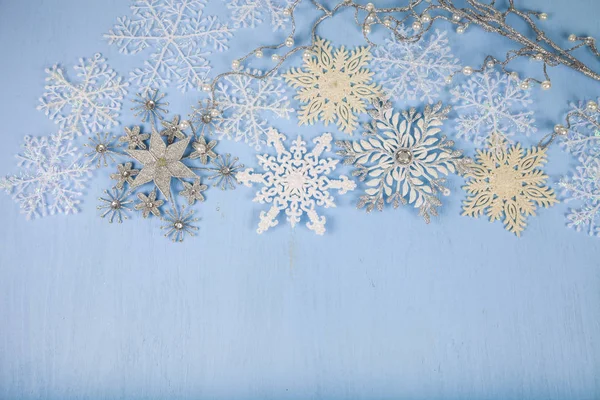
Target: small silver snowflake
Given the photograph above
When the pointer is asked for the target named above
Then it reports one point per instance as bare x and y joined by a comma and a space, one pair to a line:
124, 174
178, 223
103, 149
134, 138
224, 171
204, 117
193, 191
150, 106
174, 129
115, 205
148, 204
203, 150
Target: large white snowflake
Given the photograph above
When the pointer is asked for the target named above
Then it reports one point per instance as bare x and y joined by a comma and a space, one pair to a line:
403, 159
583, 138
296, 181
180, 35
245, 103
250, 13
415, 70
51, 177
492, 103
584, 186
90, 104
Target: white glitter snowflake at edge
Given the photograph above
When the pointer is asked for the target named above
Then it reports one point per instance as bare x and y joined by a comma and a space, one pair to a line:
415, 70
251, 13
583, 138
492, 103
51, 177
180, 36
88, 105
296, 181
245, 103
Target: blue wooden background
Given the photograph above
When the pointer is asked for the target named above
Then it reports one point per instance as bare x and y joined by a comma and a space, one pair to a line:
382, 306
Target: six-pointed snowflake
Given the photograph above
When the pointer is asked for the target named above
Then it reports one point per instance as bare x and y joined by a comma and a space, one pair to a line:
415, 70
403, 158
180, 35
296, 181
245, 103
51, 178
250, 13
584, 186
505, 183
492, 103
85, 106
583, 138
335, 85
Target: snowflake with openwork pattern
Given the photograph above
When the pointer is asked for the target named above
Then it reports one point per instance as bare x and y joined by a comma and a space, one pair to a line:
583, 137
246, 103
334, 86
296, 181
492, 103
505, 183
584, 187
251, 13
180, 35
89, 104
51, 179
403, 159
415, 70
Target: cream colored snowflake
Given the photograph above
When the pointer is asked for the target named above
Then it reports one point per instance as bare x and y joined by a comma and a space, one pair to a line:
505, 181
335, 85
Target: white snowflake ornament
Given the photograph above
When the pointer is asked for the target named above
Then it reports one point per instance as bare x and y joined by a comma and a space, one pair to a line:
296, 181
181, 37
88, 105
492, 103
245, 103
583, 137
51, 178
251, 13
415, 70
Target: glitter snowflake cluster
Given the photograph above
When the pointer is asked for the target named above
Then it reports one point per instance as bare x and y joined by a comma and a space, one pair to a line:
251, 13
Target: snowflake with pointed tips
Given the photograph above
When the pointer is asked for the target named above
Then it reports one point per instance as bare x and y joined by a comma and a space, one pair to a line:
251, 13
88, 105
51, 178
245, 102
296, 181
583, 138
415, 70
403, 159
584, 186
492, 103
180, 35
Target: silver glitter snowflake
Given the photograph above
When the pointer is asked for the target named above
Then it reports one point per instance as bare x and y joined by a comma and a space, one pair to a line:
150, 106
246, 103
224, 171
403, 159
584, 187
204, 117
583, 138
87, 105
134, 138
124, 175
114, 205
203, 150
149, 204
251, 13
174, 129
193, 191
415, 70
296, 181
180, 35
492, 103
178, 223
51, 178
103, 149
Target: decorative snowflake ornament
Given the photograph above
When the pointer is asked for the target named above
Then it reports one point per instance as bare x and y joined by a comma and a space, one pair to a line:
115, 205
296, 181
90, 105
583, 137
492, 103
251, 13
584, 186
245, 103
334, 85
180, 35
415, 70
505, 183
150, 106
403, 159
178, 223
51, 178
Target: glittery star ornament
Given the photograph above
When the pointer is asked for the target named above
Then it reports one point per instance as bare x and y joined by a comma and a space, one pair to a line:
335, 85
161, 163
506, 184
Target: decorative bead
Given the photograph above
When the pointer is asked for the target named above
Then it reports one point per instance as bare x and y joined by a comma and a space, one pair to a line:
287, 12
206, 119
387, 22
514, 75
289, 42
560, 130
572, 37
460, 29
370, 18
370, 7
178, 225
456, 17
589, 40
592, 106
538, 57
524, 85
467, 70
426, 18
448, 80
490, 64
417, 26
404, 157
184, 125
446, 192
206, 87
214, 112
258, 54
275, 57
366, 29
307, 55
546, 85
543, 16
235, 64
